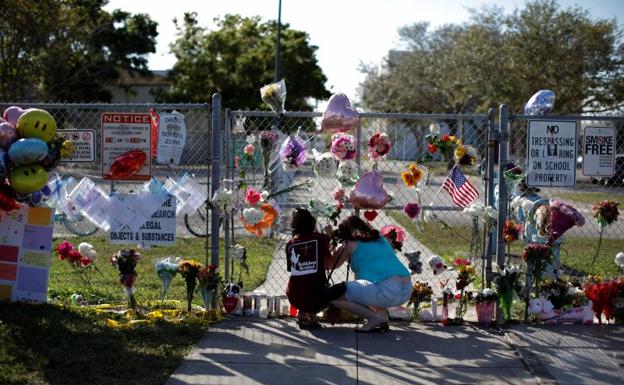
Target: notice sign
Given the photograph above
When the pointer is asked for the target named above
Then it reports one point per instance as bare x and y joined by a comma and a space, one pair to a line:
159, 229
84, 145
124, 132
171, 138
599, 151
551, 154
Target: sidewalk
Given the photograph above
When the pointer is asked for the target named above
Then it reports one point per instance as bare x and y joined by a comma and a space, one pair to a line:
275, 352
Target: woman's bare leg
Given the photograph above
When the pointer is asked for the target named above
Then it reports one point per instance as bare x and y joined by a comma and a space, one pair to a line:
372, 317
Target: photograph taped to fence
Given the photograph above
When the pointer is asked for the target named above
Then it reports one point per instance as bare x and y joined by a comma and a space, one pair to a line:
551, 153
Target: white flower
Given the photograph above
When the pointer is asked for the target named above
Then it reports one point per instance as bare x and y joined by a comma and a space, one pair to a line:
86, 250
238, 252
223, 199
475, 210
574, 290
265, 195
491, 212
619, 259
434, 129
253, 215
487, 292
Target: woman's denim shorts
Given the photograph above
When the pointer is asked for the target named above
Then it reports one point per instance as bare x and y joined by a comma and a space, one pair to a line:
387, 293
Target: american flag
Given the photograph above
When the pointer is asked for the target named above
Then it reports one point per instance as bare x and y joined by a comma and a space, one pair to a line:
461, 190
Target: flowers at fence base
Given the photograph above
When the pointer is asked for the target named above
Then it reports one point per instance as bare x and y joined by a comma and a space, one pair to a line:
252, 196
605, 212
466, 273
556, 291
87, 251
421, 292
81, 262
274, 95
436, 264
189, 270
347, 173
379, 145
537, 256
208, 281
411, 210
486, 295
562, 218
414, 175
223, 200
125, 262
343, 146
257, 221
507, 283
166, 268
395, 235
292, 152
604, 296
511, 231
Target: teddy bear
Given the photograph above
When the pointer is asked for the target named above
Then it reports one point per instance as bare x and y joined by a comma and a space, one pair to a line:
436, 264
415, 265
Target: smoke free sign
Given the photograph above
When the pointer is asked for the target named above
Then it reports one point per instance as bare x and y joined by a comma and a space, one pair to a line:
599, 151
551, 154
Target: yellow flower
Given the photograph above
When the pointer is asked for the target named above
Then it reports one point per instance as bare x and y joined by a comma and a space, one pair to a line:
417, 172
408, 179
460, 151
470, 270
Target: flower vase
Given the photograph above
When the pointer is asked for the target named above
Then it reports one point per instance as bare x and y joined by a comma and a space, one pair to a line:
485, 311
416, 313
506, 302
445, 312
206, 295
132, 304
190, 288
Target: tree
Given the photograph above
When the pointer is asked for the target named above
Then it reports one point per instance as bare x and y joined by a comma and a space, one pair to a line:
69, 50
498, 58
237, 58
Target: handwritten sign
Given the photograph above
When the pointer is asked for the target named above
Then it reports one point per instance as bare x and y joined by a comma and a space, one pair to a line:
171, 138
123, 132
599, 151
551, 154
84, 145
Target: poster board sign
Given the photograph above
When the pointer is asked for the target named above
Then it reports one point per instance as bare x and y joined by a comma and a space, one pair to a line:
171, 138
84, 145
123, 132
551, 154
25, 249
159, 229
599, 151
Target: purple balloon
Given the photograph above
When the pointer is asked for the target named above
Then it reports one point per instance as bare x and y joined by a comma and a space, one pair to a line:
369, 192
339, 115
8, 135
293, 152
12, 114
541, 103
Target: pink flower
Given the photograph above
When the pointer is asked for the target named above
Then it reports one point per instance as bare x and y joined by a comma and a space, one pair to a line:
249, 149
63, 249
339, 194
236, 161
411, 210
252, 196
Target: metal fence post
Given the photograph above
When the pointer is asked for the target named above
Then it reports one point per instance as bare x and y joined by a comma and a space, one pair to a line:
489, 192
503, 131
215, 165
227, 134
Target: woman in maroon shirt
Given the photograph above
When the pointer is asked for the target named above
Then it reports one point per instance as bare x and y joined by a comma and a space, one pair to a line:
305, 260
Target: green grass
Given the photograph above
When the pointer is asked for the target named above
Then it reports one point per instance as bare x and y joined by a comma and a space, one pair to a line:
48, 344
590, 197
576, 252
105, 287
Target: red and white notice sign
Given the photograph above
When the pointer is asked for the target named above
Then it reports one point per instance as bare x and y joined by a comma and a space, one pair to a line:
123, 132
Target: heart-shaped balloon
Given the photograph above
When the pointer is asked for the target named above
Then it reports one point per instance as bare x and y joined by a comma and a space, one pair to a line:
541, 103
339, 115
370, 215
369, 192
127, 164
12, 114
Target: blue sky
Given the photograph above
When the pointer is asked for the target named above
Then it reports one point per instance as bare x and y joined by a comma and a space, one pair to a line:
347, 32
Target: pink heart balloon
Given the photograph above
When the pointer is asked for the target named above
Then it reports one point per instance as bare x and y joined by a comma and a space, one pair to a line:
339, 115
12, 114
369, 192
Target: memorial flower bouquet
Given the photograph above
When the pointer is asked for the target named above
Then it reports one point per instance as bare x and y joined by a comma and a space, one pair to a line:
421, 292
166, 268
536, 256
562, 218
274, 95
379, 145
507, 283
189, 269
268, 143
444, 144
208, 281
80, 258
125, 262
604, 295
605, 212
466, 274
485, 301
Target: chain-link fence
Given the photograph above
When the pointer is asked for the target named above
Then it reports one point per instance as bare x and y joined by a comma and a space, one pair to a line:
447, 233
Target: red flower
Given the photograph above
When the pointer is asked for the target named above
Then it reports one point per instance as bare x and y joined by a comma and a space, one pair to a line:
74, 256
445, 138
252, 196
84, 261
432, 148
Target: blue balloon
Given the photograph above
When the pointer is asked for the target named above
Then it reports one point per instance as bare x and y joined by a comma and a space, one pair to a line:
46, 190
28, 151
541, 103
4, 163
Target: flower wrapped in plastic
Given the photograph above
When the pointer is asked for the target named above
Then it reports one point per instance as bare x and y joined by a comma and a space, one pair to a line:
343, 146
125, 262
166, 268
562, 218
511, 231
320, 208
268, 143
412, 210
189, 270
208, 281
292, 152
466, 156
239, 254
258, 220
347, 173
223, 200
507, 283
274, 95
414, 175
379, 145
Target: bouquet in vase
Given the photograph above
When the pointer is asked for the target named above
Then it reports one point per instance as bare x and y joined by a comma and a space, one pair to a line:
189, 269
465, 275
508, 283
166, 269
268, 143
209, 280
421, 292
125, 262
485, 302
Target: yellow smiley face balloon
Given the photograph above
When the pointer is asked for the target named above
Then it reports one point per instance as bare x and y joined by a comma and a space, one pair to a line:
28, 179
36, 123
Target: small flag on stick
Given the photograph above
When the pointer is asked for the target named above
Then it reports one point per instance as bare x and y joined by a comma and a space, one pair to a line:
461, 190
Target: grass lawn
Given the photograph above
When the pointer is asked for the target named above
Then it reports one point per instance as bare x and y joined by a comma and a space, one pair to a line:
590, 197
576, 253
48, 344
105, 287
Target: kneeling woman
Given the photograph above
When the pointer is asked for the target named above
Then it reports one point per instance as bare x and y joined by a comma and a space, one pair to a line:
381, 280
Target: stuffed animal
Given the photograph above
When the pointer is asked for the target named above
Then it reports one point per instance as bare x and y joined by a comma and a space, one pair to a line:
347, 173
232, 299
436, 264
545, 311
324, 163
415, 264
